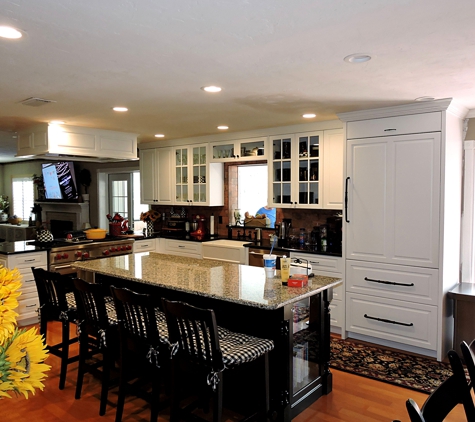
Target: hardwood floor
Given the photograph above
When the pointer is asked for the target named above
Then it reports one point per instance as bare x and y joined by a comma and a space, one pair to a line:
353, 398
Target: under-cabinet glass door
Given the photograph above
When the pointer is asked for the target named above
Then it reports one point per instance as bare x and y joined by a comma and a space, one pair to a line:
306, 339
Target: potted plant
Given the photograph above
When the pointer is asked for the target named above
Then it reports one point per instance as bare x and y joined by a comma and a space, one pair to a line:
85, 180
4, 207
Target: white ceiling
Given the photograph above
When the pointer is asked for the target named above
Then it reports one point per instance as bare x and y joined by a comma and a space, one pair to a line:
274, 59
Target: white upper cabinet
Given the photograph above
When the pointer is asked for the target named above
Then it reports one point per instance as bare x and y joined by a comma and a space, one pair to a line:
196, 180
301, 172
393, 199
156, 176
239, 150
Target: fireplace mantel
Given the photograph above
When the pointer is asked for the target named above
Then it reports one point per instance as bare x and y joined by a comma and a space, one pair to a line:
77, 213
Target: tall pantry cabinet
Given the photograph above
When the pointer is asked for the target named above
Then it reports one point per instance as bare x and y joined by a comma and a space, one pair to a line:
402, 224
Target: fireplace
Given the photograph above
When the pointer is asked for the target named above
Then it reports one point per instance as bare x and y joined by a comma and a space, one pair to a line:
65, 216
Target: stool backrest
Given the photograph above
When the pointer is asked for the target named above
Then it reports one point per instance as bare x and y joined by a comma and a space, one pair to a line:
468, 352
453, 391
196, 333
91, 306
136, 316
52, 288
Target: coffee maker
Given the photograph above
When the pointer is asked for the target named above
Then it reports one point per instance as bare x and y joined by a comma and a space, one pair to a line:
284, 232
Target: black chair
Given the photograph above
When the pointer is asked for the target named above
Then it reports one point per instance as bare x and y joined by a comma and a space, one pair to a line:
57, 303
468, 353
196, 339
453, 391
143, 333
98, 334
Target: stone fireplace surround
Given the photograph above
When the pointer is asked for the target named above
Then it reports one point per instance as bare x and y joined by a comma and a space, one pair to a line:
76, 213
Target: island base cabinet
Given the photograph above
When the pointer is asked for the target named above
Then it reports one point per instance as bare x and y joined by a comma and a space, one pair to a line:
397, 321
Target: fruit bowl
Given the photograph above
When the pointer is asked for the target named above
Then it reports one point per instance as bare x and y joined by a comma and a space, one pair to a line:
14, 220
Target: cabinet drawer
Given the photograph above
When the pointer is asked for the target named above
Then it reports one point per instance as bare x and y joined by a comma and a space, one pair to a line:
399, 321
322, 264
26, 260
412, 284
415, 123
182, 248
28, 306
144, 246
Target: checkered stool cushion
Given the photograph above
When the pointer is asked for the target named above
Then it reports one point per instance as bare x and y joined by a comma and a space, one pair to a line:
240, 348
71, 301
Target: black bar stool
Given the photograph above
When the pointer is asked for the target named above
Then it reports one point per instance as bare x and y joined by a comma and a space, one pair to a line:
143, 334
98, 334
453, 391
195, 338
57, 303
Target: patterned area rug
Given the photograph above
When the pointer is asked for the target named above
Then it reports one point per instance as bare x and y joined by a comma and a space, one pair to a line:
405, 370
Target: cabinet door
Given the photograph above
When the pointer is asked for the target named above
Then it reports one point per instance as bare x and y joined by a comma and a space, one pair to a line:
280, 171
333, 169
307, 186
394, 193
155, 177
163, 177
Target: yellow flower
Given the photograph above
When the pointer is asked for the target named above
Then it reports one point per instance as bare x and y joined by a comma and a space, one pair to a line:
22, 364
10, 283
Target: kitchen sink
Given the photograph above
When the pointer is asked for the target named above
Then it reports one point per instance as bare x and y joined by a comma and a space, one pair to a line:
226, 250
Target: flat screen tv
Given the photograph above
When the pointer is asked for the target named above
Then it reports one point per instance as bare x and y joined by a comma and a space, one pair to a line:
60, 181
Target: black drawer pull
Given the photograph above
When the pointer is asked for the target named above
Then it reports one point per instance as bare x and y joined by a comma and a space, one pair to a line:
388, 321
392, 283
390, 130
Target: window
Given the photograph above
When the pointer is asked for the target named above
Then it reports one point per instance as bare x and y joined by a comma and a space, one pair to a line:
124, 197
252, 188
23, 197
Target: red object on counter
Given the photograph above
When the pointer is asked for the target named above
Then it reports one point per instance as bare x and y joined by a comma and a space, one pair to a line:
297, 280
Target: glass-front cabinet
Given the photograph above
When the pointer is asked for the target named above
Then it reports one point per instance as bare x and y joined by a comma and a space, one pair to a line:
294, 170
193, 174
242, 150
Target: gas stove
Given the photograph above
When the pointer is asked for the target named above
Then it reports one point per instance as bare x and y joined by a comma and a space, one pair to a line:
65, 252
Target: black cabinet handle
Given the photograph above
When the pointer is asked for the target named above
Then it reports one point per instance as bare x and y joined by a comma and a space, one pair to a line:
346, 200
388, 321
389, 130
392, 283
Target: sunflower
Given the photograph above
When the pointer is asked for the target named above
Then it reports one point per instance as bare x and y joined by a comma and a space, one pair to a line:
10, 283
22, 367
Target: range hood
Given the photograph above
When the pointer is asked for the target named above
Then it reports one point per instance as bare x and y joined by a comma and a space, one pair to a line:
74, 143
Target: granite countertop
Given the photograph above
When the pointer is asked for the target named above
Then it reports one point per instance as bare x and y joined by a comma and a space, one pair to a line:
8, 248
266, 244
237, 283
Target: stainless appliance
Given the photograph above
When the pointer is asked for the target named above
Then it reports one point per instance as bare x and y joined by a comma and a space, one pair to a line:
256, 256
64, 253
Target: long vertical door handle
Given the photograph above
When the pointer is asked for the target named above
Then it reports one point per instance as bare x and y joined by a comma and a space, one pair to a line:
346, 200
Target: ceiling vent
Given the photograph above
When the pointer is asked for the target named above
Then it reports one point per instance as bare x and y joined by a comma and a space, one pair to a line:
36, 102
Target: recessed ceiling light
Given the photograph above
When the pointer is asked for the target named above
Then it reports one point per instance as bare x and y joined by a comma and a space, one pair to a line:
357, 58
120, 109
424, 99
211, 88
56, 122
309, 115
9, 32
159, 135
223, 127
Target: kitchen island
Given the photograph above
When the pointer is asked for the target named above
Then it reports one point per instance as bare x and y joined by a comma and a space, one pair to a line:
244, 300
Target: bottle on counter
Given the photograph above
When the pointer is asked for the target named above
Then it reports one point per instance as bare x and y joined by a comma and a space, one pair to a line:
284, 269
302, 236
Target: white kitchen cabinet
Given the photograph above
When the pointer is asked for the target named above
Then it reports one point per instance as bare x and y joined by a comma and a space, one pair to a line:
181, 248
28, 301
302, 174
196, 180
239, 150
225, 250
402, 224
333, 171
328, 266
393, 199
294, 170
144, 245
156, 176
